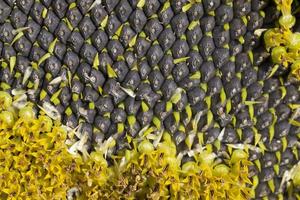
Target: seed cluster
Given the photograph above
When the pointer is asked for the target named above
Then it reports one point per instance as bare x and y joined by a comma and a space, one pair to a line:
115, 70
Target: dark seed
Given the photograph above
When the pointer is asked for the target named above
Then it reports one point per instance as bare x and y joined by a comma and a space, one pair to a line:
206, 47
180, 71
112, 25
141, 47
220, 57
166, 65
76, 41
237, 28
131, 105
60, 7
144, 69
166, 16
221, 36
121, 70
153, 28
126, 35
195, 12
166, 39
194, 36
137, 20
154, 55
104, 105
88, 53
86, 27
132, 80
115, 49
118, 115
180, 49
168, 88
51, 21
44, 39
207, 70
179, 23
249, 76
224, 14
98, 14
63, 32
17, 17
156, 79
151, 7
74, 16
96, 79
264, 120
207, 23
195, 61
241, 7
123, 10
233, 87
145, 118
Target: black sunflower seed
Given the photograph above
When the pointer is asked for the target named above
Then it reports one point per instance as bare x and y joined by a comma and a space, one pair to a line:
123, 10
76, 41
195, 95
221, 36
17, 18
224, 14
144, 69
195, 61
45, 38
241, 7
144, 118
88, 53
127, 35
137, 20
207, 70
118, 115
6, 33
151, 7
74, 16
207, 46
180, 71
168, 88
154, 55
166, 16
86, 27
180, 49
36, 12
132, 80
132, 106
166, 39
60, 7
207, 23
115, 49
51, 21
89, 94
98, 14
153, 28
237, 28
179, 23
166, 65
23, 5
112, 25
249, 76
195, 12
194, 35
156, 79
121, 70
104, 105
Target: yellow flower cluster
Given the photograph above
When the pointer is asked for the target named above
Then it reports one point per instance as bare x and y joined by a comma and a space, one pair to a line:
283, 43
35, 164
